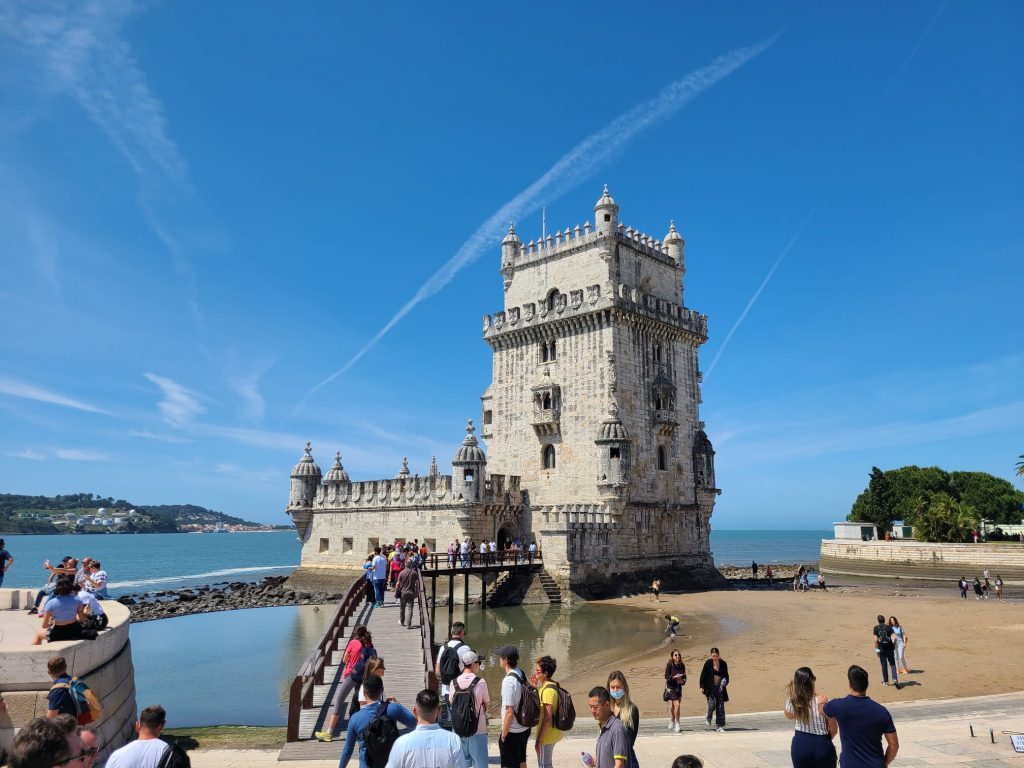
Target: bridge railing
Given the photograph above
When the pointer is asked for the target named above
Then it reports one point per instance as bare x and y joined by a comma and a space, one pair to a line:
312, 670
440, 561
429, 675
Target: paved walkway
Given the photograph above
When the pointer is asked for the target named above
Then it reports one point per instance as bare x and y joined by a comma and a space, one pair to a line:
933, 733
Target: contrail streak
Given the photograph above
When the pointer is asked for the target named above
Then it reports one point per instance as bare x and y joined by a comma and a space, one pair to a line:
810, 214
575, 165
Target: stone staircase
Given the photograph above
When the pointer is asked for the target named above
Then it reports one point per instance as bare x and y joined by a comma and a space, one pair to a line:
551, 588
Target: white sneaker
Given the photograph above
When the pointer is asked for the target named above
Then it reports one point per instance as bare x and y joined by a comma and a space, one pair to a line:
671, 726
677, 729
708, 721
720, 729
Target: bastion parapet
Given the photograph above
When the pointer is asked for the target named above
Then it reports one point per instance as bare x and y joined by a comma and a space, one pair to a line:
104, 663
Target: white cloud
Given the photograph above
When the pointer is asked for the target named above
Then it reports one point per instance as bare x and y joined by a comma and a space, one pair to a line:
29, 454
79, 454
148, 435
247, 387
28, 391
180, 405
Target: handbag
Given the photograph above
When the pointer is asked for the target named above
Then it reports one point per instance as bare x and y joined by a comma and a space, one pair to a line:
666, 694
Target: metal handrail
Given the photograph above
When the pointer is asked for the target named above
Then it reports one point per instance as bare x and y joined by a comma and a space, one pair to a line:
311, 672
438, 561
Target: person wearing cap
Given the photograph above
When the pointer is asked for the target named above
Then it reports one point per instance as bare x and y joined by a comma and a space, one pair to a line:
474, 748
513, 738
6, 561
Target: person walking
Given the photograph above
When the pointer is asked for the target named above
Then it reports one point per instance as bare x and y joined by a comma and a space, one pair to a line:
675, 679
514, 735
900, 636
998, 583
885, 647
406, 589
863, 724
612, 750
353, 651
977, 588
963, 587
148, 749
448, 665
714, 679
813, 733
379, 572
358, 724
624, 709
429, 745
469, 683
547, 734
374, 668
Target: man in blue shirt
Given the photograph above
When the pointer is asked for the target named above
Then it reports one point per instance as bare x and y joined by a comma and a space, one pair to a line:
5, 561
360, 721
429, 746
862, 725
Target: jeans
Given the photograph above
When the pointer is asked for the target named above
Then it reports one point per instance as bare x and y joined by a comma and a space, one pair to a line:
809, 750
544, 756
716, 707
378, 591
887, 658
408, 602
474, 749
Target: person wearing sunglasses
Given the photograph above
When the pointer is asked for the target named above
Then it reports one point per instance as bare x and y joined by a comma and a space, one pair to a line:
46, 743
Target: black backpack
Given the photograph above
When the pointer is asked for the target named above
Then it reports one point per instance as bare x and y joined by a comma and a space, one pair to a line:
565, 713
884, 635
174, 757
451, 665
527, 711
368, 652
462, 706
380, 736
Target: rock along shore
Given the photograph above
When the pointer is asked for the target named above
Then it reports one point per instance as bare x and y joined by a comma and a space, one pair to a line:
225, 596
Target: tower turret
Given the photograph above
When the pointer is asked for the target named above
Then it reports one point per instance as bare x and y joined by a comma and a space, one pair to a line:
613, 446
468, 467
509, 251
305, 478
674, 243
703, 461
336, 475
606, 214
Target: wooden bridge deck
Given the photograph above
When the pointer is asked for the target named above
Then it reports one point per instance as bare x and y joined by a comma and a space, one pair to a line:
403, 678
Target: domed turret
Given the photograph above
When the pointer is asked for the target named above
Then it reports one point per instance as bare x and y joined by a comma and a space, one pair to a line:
611, 429
674, 243
468, 466
336, 475
703, 460
509, 250
305, 479
613, 446
403, 473
606, 214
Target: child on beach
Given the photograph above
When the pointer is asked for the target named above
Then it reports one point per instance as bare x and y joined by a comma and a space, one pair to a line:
673, 625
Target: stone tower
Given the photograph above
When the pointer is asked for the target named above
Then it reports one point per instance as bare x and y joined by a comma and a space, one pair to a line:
594, 400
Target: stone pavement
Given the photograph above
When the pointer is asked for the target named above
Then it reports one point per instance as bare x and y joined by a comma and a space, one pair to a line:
931, 734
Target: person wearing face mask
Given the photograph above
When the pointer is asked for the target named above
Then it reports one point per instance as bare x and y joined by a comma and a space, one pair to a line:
624, 709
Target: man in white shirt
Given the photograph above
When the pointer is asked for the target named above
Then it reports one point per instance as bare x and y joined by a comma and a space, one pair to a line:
513, 737
379, 572
464, 551
145, 751
429, 746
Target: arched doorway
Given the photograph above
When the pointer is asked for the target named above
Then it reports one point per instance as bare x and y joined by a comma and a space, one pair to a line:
504, 538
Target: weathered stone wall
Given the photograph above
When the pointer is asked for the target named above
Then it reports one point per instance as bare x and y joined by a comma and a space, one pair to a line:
921, 560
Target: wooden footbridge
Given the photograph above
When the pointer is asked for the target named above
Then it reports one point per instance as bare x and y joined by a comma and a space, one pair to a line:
408, 653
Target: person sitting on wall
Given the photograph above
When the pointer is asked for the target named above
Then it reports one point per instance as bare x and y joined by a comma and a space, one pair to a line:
60, 614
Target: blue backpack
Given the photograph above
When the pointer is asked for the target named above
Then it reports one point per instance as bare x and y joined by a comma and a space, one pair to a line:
368, 652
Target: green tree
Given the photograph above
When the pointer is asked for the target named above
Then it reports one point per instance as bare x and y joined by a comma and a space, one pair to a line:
1020, 465
994, 498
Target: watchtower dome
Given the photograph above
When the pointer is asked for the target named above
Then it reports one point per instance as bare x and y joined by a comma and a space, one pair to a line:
606, 214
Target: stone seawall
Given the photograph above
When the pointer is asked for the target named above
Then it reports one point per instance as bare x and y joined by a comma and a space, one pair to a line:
104, 663
922, 560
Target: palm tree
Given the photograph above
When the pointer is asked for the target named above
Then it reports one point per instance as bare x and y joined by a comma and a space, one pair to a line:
1020, 465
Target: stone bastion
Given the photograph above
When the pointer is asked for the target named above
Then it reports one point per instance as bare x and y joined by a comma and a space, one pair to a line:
104, 663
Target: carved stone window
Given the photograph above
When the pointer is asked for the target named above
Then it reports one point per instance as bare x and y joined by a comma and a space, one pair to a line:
548, 351
552, 299
549, 457
547, 409
662, 458
614, 452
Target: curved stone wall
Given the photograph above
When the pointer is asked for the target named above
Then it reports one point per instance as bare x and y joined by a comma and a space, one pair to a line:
104, 663
923, 560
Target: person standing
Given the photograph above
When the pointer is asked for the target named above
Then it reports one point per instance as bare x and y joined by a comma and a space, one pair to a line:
612, 750
813, 733
675, 679
900, 636
147, 750
547, 734
753, 569
963, 587
885, 647
656, 590
469, 683
863, 724
353, 651
373, 688
998, 583
714, 679
429, 745
624, 709
379, 573
769, 573
406, 589
464, 553
6, 561
977, 588
514, 736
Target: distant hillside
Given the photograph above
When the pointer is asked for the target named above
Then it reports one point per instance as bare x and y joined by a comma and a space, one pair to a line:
88, 513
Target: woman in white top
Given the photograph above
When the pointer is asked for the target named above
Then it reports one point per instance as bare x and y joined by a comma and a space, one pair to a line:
812, 745
901, 637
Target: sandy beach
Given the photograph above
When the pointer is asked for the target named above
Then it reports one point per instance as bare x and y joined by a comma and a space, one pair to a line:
956, 647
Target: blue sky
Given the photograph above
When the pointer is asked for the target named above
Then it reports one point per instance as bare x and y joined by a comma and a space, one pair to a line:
206, 211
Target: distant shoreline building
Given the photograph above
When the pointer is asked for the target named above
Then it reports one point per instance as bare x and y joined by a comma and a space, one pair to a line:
596, 449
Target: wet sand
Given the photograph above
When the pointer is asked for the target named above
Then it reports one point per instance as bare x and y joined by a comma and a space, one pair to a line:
956, 647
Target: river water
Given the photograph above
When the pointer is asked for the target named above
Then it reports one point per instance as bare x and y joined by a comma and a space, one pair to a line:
235, 667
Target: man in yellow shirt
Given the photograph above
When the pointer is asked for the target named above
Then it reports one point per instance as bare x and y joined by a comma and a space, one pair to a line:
547, 735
